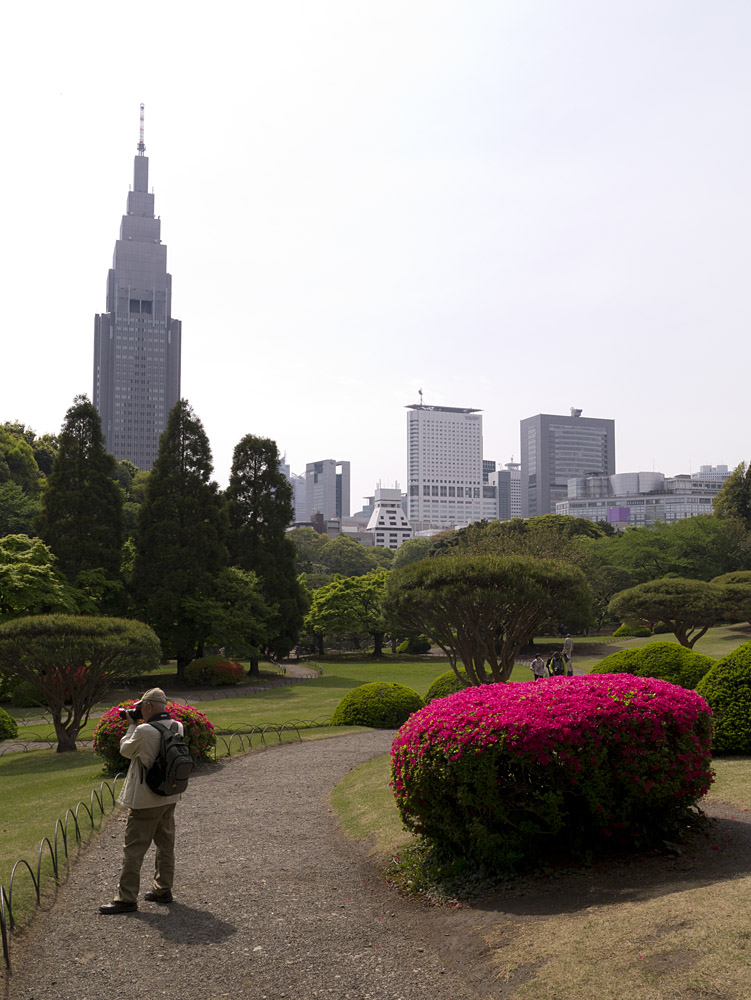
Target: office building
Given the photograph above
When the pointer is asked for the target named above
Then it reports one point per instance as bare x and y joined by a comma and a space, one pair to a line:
327, 489
555, 449
388, 523
445, 468
137, 340
641, 498
508, 482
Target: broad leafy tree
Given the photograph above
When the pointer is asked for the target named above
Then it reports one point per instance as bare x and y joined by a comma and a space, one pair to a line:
413, 550
259, 502
181, 539
73, 661
350, 606
29, 582
82, 508
734, 499
18, 510
484, 609
687, 607
348, 557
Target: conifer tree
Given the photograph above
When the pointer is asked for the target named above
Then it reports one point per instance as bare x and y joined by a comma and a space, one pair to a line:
82, 508
259, 501
181, 538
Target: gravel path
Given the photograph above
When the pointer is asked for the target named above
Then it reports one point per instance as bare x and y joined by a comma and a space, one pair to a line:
272, 901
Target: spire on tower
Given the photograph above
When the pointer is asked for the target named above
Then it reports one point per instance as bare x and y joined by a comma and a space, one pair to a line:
141, 146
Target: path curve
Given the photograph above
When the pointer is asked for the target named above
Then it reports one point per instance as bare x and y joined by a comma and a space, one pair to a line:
272, 901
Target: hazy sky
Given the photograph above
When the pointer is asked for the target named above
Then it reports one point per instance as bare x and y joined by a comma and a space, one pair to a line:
515, 205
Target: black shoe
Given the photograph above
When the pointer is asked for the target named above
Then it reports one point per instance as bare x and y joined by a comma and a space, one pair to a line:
118, 906
159, 897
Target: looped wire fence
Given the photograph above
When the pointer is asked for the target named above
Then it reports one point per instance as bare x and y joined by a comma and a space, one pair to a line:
239, 740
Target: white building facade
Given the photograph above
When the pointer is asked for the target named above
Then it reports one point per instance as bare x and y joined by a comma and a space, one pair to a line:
388, 523
445, 471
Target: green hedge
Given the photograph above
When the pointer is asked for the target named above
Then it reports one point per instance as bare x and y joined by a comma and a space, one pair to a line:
667, 661
380, 705
727, 689
447, 684
634, 630
8, 726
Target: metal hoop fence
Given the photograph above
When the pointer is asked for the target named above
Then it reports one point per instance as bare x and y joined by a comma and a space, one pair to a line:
238, 741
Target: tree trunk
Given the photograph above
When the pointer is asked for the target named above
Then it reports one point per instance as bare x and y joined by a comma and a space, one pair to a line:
66, 738
182, 662
319, 643
253, 670
377, 644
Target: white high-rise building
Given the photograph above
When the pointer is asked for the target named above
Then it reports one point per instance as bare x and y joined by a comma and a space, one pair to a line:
444, 461
388, 521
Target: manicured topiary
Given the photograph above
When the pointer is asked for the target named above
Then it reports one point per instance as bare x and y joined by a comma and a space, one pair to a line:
199, 734
381, 705
446, 684
507, 774
668, 661
416, 644
634, 630
213, 671
727, 689
8, 726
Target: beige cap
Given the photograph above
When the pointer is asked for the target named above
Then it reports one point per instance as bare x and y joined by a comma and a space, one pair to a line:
155, 695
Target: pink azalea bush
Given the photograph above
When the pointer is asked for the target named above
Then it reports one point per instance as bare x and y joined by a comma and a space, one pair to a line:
505, 773
199, 734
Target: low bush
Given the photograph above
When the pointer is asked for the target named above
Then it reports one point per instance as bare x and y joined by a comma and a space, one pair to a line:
213, 671
380, 705
24, 694
199, 734
667, 661
727, 690
446, 684
8, 726
508, 774
416, 644
634, 630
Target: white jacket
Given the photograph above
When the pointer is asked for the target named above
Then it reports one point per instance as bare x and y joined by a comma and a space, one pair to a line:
141, 745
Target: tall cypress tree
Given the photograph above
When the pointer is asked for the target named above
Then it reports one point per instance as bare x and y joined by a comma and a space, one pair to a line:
181, 538
82, 507
259, 501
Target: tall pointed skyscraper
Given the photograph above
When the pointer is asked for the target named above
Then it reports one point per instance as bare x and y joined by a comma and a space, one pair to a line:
136, 341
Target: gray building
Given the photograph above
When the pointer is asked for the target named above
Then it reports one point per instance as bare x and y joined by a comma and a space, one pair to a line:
556, 449
327, 488
137, 341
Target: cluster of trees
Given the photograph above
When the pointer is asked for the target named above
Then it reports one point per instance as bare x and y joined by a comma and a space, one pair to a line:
165, 547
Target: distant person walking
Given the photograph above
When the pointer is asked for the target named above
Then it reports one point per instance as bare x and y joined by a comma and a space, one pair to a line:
537, 666
568, 655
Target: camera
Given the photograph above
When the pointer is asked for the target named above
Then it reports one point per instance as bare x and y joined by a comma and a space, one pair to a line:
130, 714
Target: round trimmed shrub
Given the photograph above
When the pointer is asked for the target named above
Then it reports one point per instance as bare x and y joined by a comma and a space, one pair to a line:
635, 630
199, 734
380, 705
505, 774
727, 689
446, 684
8, 726
416, 644
213, 671
667, 661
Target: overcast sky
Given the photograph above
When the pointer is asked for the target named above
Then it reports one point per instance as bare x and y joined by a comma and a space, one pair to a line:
519, 206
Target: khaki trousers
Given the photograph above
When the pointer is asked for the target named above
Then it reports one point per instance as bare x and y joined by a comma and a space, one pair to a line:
155, 824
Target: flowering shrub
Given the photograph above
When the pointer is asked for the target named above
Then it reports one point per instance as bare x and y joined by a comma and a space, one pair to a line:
504, 773
199, 734
381, 705
214, 671
727, 689
446, 684
668, 661
8, 726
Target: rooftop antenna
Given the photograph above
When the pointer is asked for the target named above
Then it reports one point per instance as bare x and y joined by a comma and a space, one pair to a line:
141, 146
420, 394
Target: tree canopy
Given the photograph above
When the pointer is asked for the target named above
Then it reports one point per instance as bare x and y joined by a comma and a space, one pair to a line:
348, 606
734, 499
485, 609
687, 607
